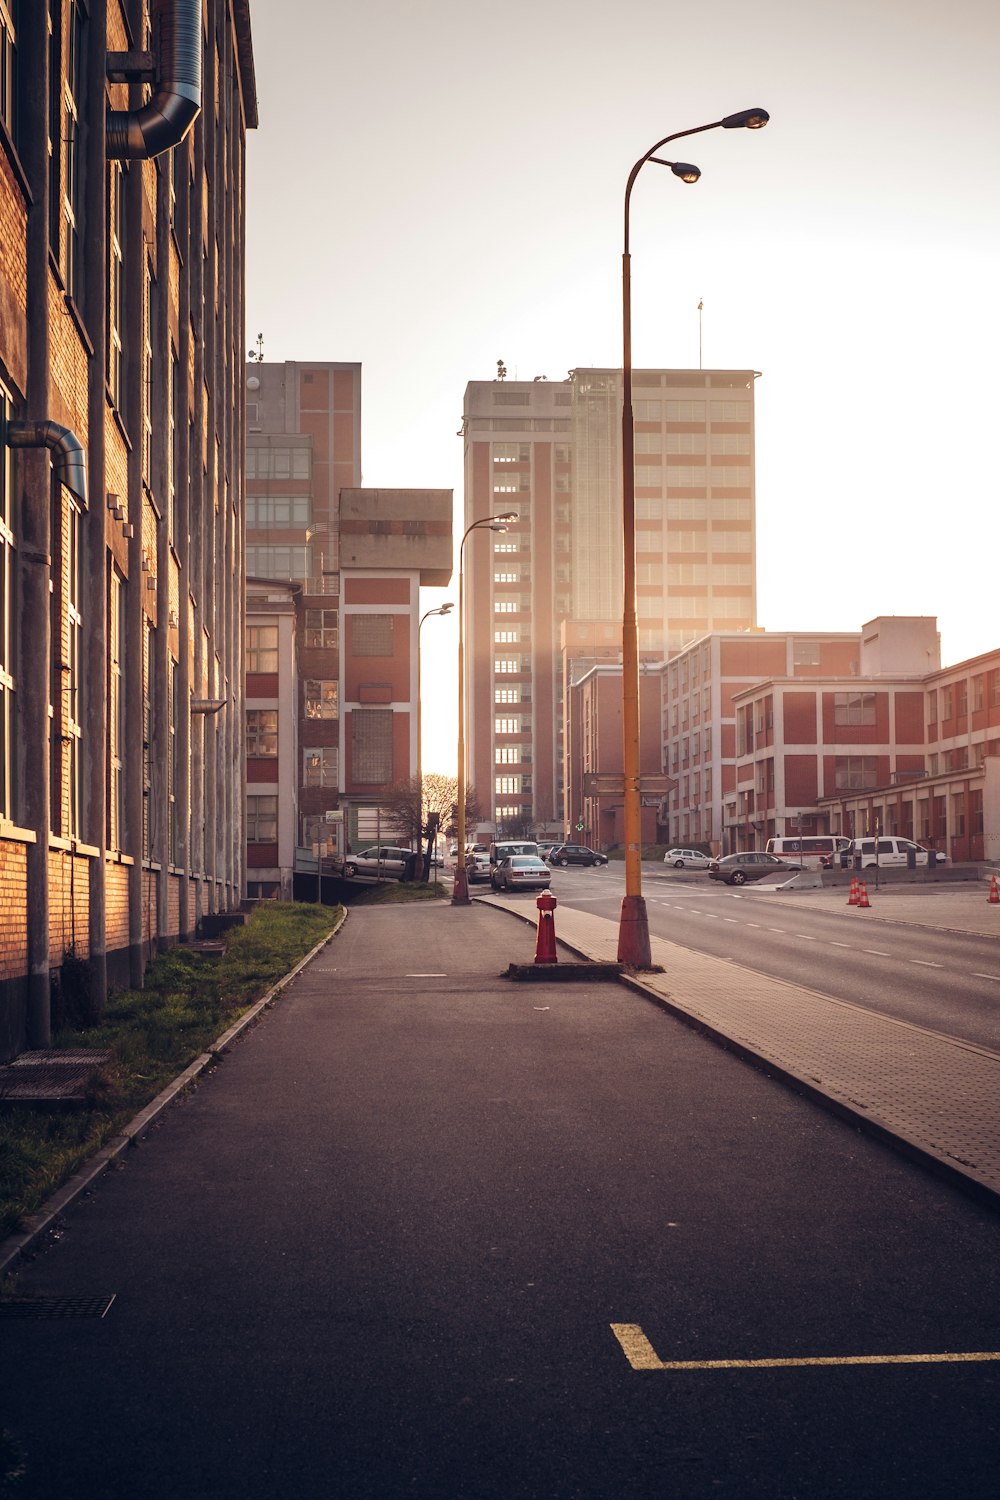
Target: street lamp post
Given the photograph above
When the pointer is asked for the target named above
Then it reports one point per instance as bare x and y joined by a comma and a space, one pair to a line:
460, 886
633, 931
445, 609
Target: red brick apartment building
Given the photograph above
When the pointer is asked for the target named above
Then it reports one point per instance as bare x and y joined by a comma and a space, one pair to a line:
332, 685
911, 752
122, 149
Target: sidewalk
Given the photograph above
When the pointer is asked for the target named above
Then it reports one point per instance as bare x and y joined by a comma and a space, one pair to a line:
935, 1098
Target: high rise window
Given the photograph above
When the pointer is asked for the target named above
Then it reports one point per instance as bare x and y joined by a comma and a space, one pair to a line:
8, 67
116, 711
262, 820
262, 648
321, 628
854, 708
72, 178
320, 765
7, 574
321, 698
116, 298
855, 771
262, 732
372, 635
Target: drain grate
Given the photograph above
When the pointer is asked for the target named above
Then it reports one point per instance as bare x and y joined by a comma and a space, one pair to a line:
55, 1307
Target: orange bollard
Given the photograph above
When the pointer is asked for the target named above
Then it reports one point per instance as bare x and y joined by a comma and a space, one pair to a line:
855, 895
863, 901
545, 947
994, 896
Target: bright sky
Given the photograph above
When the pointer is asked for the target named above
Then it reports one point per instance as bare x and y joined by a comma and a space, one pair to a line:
436, 185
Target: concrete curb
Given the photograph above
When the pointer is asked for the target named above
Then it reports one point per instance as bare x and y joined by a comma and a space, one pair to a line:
36, 1225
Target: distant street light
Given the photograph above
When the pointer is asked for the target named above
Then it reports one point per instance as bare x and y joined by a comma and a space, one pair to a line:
633, 931
460, 888
445, 609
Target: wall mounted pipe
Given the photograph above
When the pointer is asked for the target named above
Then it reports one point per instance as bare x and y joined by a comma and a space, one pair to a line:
69, 458
168, 115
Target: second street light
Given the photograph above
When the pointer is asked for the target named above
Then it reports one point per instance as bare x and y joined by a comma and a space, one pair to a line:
633, 932
445, 609
460, 888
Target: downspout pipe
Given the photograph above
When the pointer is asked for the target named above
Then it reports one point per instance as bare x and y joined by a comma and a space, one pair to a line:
164, 120
69, 459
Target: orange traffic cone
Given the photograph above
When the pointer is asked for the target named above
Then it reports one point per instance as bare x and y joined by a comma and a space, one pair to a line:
855, 895
994, 896
863, 901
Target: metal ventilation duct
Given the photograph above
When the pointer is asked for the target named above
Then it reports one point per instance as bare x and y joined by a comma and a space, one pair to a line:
69, 459
176, 100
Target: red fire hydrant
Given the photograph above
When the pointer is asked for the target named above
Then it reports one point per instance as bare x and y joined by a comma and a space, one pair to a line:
545, 947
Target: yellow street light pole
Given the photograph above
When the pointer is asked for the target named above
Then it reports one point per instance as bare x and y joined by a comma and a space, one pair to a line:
633, 931
460, 887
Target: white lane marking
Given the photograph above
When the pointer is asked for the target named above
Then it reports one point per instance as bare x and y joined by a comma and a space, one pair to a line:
753, 924
642, 1356
425, 976
805, 936
775, 929
733, 919
877, 952
834, 944
925, 963
987, 976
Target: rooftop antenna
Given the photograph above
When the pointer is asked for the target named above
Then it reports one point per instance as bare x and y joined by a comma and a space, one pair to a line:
258, 358
501, 370
701, 304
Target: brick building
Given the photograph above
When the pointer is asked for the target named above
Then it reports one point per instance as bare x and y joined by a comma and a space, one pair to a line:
122, 149
331, 714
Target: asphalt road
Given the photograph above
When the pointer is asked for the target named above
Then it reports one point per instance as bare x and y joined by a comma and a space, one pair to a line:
420, 1233
948, 981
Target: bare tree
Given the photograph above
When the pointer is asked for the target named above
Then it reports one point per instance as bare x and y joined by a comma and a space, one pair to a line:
401, 804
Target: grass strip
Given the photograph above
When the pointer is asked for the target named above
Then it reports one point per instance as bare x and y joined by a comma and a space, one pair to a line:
188, 999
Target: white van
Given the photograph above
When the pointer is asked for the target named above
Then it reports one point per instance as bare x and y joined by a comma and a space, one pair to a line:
887, 851
810, 850
501, 848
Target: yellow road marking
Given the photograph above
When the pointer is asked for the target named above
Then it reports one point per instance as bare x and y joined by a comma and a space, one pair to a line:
642, 1356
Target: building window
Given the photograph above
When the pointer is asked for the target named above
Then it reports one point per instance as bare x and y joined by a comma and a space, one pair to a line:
507, 664
8, 68
962, 698
279, 512
372, 635
262, 820
321, 628
507, 726
293, 563
730, 442
505, 785
371, 746
506, 695
853, 708
320, 765
958, 815
508, 755
116, 297
264, 461
730, 411
976, 812
855, 771
173, 769
7, 575
262, 648
978, 693
116, 710
505, 637
321, 698
262, 732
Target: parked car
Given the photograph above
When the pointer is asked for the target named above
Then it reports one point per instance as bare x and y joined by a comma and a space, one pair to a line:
737, 869
889, 851
520, 872
575, 854
477, 866
501, 848
381, 859
687, 859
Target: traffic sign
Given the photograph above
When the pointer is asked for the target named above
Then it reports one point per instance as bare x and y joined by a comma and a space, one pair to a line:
612, 784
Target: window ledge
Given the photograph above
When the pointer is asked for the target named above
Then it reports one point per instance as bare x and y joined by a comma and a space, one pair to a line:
16, 835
